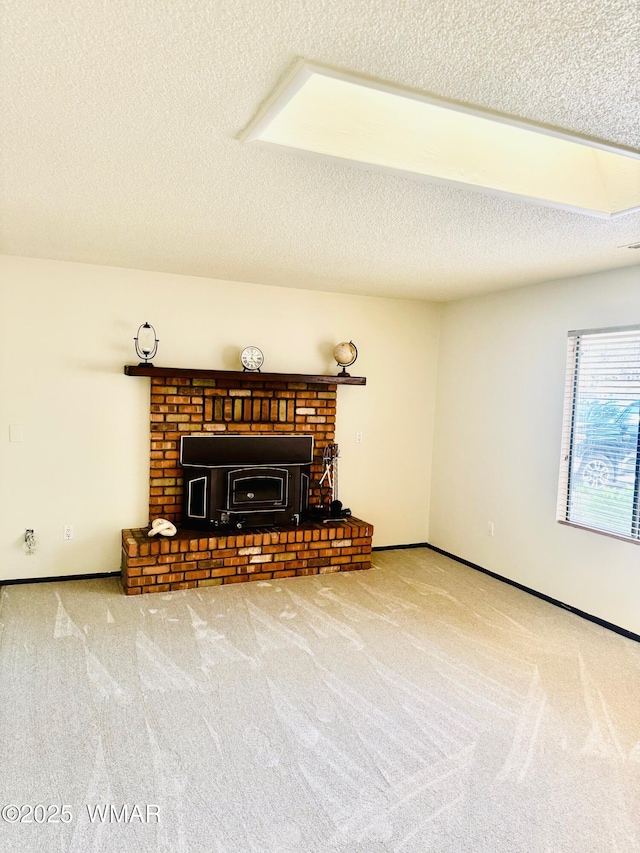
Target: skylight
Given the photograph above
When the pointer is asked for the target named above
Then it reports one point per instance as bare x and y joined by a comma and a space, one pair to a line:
341, 116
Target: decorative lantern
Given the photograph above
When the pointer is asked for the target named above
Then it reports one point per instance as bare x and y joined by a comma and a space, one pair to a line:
146, 344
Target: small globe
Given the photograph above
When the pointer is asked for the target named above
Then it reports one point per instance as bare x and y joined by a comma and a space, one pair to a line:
345, 354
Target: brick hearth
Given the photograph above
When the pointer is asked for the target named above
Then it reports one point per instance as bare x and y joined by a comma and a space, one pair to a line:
190, 559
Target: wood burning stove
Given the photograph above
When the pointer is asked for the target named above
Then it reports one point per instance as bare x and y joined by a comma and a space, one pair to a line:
236, 481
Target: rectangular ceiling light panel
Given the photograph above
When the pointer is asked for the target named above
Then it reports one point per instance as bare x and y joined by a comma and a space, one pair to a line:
337, 115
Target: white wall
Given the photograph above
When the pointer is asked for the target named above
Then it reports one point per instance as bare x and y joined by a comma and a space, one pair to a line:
66, 330
497, 442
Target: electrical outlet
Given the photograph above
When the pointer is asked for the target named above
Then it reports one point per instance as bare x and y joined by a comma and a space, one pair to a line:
67, 532
358, 437
489, 528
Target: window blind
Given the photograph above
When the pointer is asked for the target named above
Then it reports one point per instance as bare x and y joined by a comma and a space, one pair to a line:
600, 465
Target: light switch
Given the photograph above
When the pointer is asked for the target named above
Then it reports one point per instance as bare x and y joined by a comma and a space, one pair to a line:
16, 432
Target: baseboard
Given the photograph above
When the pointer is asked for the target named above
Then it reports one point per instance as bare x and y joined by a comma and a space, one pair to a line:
596, 619
92, 576
401, 547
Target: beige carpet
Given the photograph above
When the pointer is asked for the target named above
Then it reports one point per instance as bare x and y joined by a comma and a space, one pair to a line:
420, 706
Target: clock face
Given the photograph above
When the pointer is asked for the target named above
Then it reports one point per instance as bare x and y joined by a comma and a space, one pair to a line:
251, 358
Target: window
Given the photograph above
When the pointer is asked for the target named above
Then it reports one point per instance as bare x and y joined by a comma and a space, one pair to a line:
600, 468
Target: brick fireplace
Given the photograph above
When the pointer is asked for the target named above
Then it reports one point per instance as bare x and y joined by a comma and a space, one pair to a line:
184, 402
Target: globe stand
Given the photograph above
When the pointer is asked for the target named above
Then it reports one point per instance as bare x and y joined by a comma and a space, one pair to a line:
345, 355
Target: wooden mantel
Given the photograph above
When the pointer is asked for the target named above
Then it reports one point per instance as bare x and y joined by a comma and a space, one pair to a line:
245, 376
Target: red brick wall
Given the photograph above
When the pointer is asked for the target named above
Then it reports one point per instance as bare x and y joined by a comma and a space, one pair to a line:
230, 405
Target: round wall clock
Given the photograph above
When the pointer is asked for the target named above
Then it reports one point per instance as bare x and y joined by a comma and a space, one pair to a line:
251, 358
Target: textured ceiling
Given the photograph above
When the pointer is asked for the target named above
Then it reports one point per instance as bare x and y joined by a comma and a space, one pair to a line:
119, 119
